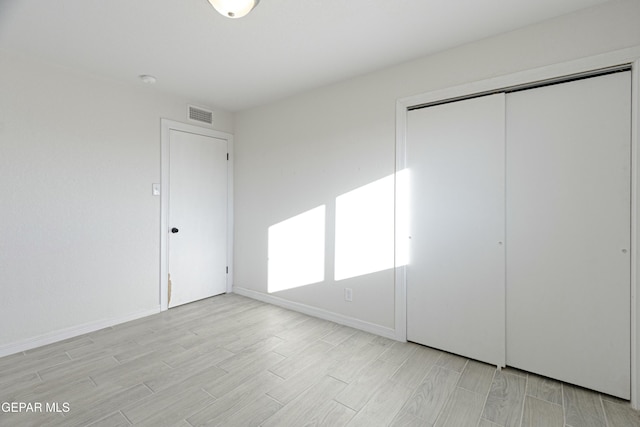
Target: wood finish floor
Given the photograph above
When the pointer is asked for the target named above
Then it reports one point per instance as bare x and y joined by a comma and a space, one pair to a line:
233, 361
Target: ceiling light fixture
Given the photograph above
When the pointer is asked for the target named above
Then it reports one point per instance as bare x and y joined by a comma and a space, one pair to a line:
148, 79
234, 8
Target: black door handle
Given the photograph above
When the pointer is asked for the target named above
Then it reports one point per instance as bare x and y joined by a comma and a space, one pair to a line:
174, 230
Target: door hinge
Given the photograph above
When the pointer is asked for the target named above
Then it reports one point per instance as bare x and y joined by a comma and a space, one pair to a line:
227, 270
227, 156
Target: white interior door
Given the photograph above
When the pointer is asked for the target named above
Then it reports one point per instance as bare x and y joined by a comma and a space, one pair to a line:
568, 232
455, 276
197, 216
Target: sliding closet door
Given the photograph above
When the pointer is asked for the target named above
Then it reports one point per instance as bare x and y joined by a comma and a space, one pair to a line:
568, 232
455, 277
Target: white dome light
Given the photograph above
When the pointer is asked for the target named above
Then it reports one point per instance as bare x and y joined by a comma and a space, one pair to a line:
234, 8
148, 79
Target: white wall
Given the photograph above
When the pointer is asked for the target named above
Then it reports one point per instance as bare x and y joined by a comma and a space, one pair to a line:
305, 151
80, 238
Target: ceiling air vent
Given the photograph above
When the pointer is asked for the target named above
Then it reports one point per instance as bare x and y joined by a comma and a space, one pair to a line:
200, 115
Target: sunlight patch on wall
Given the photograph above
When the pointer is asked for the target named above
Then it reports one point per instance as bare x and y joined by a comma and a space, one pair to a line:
296, 250
402, 218
365, 230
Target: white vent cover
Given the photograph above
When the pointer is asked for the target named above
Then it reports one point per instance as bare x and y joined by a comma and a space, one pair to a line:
198, 114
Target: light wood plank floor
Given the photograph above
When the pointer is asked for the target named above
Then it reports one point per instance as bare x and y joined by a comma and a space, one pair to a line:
233, 361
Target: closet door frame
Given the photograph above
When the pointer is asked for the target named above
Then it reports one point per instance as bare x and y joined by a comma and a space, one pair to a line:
629, 57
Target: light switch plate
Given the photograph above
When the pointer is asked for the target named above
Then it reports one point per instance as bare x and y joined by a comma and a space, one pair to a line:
155, 189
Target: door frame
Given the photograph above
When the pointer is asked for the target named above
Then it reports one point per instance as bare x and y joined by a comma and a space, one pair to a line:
166, 127
629, 56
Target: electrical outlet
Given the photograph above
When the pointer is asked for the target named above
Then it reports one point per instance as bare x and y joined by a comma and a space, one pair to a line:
348, 294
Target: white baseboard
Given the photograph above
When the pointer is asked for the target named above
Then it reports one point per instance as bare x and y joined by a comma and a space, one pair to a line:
320, 313
74, 331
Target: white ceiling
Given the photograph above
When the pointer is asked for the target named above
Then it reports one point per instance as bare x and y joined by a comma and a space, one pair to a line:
282, 47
